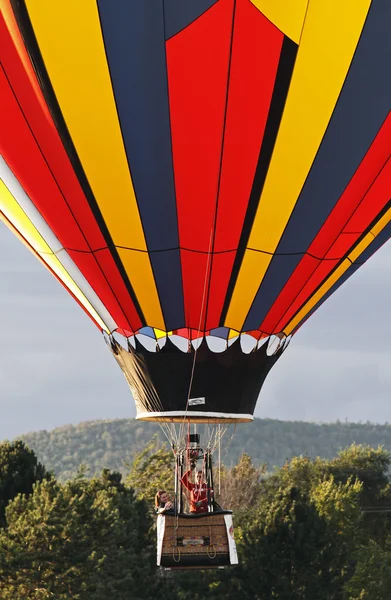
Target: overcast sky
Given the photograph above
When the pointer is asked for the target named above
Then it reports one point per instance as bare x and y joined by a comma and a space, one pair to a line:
56, 369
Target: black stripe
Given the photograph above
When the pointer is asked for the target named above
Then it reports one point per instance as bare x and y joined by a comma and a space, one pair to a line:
27, 32
280, 92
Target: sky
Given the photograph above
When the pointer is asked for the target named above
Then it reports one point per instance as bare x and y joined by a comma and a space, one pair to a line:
55, 368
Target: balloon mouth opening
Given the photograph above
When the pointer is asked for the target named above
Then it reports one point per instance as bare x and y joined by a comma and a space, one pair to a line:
194, 417
199, 386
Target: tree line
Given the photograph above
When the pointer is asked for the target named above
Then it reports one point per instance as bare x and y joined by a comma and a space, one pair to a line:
113, 444
313, 529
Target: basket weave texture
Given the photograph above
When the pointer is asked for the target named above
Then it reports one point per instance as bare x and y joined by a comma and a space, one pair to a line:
211, 527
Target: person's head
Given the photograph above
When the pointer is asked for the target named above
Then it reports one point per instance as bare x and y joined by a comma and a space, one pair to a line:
161, 498
199, 477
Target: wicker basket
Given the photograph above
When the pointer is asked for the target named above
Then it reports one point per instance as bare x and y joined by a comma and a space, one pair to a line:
195, 541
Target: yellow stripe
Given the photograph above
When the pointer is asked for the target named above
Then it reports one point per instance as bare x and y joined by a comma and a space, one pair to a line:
139, 266
23, 225
70, 40
353, 256
232, 333
253, 263
21, 222
159, 333
287, 15
331, 32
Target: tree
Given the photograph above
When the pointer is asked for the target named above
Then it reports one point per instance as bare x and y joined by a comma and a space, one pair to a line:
83, 540
287, 544
152, 470
19, 471
371, 467
240, 485
372, 577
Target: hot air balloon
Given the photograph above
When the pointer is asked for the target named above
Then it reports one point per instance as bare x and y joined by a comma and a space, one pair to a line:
197, 174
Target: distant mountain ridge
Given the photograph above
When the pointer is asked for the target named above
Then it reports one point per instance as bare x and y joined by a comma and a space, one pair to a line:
113, 443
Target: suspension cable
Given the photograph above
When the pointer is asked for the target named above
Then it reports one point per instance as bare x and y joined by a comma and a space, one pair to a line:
199, 328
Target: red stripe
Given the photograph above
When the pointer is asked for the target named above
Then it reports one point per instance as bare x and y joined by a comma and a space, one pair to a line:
220, 276
379, 195
92, 266
197, 60
194, 267
198, 67
255, 333
36, 114
355, 210
25, 158
320, 274
255, 57
349, 202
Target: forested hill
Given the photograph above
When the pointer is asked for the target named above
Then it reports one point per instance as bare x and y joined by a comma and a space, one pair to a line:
112, 444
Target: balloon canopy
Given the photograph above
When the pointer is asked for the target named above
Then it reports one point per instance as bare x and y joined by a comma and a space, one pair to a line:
197, 166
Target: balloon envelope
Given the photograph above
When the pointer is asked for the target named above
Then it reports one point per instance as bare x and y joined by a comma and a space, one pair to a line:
197, 165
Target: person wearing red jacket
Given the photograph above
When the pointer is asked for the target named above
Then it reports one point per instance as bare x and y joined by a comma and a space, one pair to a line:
198, 492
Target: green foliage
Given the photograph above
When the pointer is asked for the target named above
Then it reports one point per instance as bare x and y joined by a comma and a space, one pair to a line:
369, 465
95, 444
152, 470
113, 444
240, 485
287, 543
82, 540
301, 534
19, 470
312, 529
372, 577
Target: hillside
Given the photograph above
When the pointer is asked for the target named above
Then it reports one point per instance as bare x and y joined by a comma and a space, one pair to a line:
113, 443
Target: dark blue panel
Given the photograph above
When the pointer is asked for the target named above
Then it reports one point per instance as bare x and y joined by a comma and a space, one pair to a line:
363, 106
380, 239
148, 331
221, 332
178, 14
283, 266
364, 103
133, 33
167, 270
